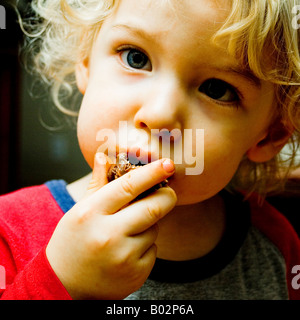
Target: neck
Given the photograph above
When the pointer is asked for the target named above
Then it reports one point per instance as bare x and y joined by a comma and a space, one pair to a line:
187, 232
190, 232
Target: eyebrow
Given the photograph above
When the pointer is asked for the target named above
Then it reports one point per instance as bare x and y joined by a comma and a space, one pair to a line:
138, 31
245, 73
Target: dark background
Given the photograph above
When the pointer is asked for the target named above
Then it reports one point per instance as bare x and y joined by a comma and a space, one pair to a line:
30, 153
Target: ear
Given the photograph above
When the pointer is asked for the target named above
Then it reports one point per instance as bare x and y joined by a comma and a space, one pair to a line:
82, 75
271, 144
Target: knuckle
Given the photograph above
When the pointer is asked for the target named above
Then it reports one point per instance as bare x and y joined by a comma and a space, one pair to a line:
127, 186
94, 245
81, 213
154, 211
104, 242
93, 183
172, 194
154, 231
124, 259
152, 252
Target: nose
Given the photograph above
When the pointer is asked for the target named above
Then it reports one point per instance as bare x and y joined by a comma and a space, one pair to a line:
162, 107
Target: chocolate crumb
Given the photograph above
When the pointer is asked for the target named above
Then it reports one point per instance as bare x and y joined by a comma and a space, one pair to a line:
123, 166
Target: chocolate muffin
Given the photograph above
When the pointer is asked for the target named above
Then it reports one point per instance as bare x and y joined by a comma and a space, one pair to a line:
123, 166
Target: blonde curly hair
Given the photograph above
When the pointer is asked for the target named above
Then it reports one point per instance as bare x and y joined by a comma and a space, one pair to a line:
63, 31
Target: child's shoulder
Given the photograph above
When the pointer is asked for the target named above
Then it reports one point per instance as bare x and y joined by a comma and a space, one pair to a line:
28, 196
271, 221
29, 205
28, 218
278, 230
22, 198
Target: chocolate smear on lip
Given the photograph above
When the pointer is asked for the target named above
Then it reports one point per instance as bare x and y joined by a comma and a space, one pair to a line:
123, 166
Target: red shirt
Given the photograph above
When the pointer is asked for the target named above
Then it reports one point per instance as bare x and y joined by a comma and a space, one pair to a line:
28, 219
29, 216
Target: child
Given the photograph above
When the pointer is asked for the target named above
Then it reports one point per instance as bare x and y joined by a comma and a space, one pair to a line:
230, 68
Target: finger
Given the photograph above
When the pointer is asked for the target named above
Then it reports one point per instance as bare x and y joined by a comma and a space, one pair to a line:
99, 176
118, 193
141, 215
147, 261
143, 241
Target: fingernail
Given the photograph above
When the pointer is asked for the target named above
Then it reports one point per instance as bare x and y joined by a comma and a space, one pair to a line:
168, 165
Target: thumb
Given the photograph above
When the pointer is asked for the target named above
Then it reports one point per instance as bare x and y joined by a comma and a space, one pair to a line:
99, 176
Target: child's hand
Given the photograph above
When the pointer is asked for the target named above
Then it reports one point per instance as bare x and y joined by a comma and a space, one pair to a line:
103, 248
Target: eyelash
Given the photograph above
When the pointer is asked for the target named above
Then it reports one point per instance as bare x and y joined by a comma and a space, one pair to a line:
124, 48
234, 104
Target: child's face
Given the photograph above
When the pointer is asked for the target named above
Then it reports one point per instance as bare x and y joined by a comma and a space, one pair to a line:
153, 66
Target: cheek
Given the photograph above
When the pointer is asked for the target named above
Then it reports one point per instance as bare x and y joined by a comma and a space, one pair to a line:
222, 157
92, 118
223, 154
101, 108
86, 139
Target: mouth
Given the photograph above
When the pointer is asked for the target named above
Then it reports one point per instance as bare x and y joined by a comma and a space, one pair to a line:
138, 157
124, 164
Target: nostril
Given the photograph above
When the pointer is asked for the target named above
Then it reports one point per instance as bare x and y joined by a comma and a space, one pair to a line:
143, 125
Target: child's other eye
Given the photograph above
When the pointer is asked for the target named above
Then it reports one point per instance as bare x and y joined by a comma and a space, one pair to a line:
136, 59
219, 90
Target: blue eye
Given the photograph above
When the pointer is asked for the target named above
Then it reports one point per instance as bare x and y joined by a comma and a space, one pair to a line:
219, 90
136, 59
